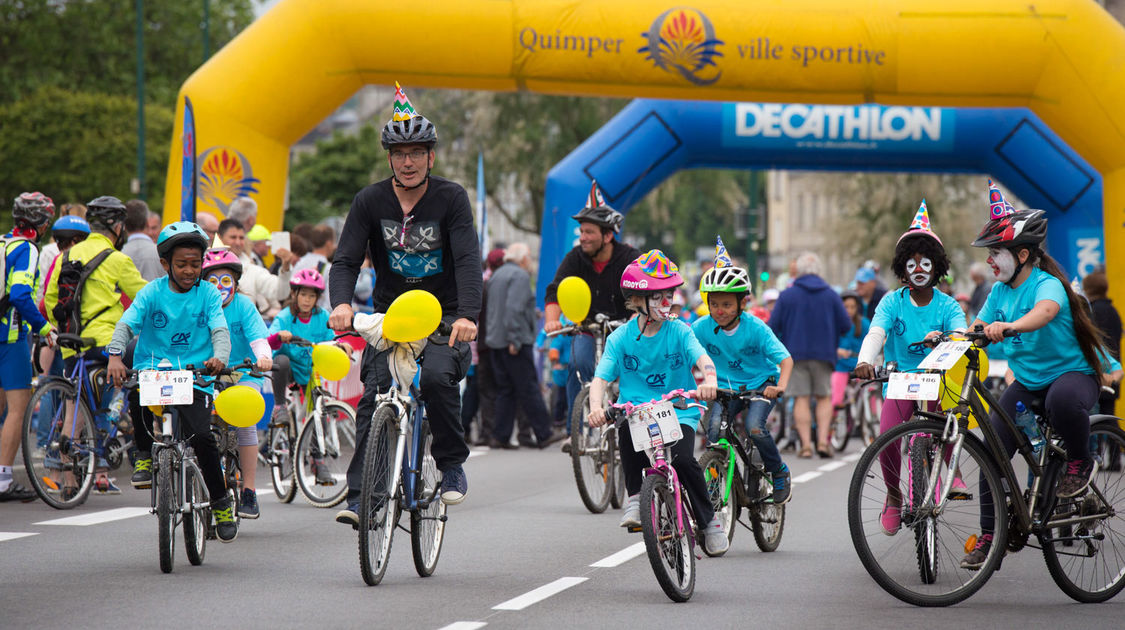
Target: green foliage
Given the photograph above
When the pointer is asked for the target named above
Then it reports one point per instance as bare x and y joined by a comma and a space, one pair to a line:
73, 147
322, 184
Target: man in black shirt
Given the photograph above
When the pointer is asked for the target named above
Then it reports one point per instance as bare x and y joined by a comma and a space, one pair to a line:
599, 259
418, 231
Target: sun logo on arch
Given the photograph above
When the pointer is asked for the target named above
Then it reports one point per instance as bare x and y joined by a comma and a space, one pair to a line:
682, 41
225, 175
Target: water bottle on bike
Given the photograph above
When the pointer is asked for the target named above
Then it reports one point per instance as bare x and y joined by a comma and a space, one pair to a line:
1025, 420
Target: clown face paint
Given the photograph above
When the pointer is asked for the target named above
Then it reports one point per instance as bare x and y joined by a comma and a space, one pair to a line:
660, 305
1002, 262
919, 272
224, 281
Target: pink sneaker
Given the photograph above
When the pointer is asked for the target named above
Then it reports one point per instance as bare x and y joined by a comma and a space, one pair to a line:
891, 518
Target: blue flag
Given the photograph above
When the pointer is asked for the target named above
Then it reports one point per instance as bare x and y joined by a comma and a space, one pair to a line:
190, 165
482, 211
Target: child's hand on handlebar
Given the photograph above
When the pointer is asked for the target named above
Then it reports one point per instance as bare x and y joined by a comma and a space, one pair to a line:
285, 336
707, 391
995, 330
864, 371
116, 370
596, 417
214, 365
772, 392
264, 364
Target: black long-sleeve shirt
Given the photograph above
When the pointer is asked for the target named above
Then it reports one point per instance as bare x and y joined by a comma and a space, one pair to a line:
605, 286
434, 248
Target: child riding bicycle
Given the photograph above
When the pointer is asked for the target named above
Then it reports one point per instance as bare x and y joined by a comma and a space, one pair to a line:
648, 369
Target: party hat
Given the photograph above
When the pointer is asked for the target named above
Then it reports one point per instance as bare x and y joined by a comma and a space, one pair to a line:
998, 207
404, 110
722, 258
921, 224
595, 200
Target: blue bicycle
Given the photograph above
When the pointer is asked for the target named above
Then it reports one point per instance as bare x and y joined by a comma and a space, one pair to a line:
62, 458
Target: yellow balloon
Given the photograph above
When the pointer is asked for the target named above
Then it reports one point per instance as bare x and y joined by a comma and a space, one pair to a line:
240, 406
330, 361
412, 316
954, 379
574, 298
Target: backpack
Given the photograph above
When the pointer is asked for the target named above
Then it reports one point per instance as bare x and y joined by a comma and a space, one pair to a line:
72, 276
5, 243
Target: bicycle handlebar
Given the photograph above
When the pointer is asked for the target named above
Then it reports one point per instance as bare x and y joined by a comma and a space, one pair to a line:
601, 321
748, 394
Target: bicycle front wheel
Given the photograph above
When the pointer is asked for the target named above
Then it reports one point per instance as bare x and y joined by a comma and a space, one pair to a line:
378, 503
1090, 567
618, 494
281, 462
427, 523
841, 430
196, 522
59, 457
767, 519
669, 549
724, 500
890, 540
166, 508
591, 455
323, 477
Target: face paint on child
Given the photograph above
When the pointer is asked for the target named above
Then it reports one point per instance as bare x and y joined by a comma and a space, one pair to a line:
224, 281
919, 272
1002, 262
660, 305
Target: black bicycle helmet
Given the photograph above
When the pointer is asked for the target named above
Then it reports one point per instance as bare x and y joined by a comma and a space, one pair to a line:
105, 212
598, 212
1022, 228
33, 208
415, 130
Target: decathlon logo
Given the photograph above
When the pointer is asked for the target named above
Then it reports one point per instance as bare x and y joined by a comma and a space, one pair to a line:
832, 126
1089, 255
682, 41
635, 284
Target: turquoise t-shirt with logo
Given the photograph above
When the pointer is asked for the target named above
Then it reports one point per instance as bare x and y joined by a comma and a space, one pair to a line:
906, 324
649, 367
315, 330
246, 325
1038, 357
175, 326
749, 356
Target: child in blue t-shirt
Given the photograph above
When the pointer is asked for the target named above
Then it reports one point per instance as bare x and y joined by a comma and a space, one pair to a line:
178, 319
847, 350
746, 354
248, 341
650, 356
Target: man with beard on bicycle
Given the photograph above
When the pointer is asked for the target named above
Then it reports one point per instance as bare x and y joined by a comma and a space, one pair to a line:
599, 259
418, 230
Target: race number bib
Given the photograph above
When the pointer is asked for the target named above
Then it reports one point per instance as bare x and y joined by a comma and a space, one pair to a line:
910, 386
159, 387
945, 355
659, 420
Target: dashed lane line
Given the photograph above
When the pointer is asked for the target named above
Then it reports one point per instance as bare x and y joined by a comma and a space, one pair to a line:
621, 557
809, 476
96, 518
540, 594
14, 535
464, 625
829, 467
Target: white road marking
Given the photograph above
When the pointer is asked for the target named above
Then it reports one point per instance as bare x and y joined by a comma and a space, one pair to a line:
539, 594
477, 452
621, 557
96, 518
464, 625
854, 457
829, 467
14, 535
809, 476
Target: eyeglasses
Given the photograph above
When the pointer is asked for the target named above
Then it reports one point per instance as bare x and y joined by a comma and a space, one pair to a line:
417, 155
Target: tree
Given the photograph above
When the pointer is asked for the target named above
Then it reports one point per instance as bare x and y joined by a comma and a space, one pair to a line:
322, 184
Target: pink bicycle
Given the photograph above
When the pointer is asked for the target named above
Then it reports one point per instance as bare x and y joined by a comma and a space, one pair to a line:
666, 514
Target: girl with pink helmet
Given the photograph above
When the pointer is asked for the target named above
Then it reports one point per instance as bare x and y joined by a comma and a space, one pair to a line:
649, 368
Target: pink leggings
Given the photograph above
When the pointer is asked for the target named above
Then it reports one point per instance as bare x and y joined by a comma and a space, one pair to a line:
895, 412
839, 387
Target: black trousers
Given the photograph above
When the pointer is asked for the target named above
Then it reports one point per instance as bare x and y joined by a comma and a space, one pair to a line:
687, 468
443, 368
517, 383
195, 423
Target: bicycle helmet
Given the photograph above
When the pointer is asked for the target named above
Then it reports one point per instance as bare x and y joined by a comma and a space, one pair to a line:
598, 212
406, 125
33, 208
1021, 228
222, 258
181, 234
725, 280
70, 227
651, 271
307, 278
105, 212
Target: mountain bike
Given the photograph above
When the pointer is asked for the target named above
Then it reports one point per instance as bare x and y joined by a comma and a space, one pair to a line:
400, 473
1081, 538
593, 451
860, 410
737, 479
62, 463
667, 520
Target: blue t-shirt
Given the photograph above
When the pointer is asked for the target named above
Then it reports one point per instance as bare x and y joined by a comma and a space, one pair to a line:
246, 325
848, 341
650, 367
175, 326
749, 356
1038, 357
315, 330
906, 324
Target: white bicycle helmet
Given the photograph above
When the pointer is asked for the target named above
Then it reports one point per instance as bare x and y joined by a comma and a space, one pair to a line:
725, 280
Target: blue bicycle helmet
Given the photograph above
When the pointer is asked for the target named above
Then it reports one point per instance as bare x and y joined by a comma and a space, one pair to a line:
70, 225
181, 234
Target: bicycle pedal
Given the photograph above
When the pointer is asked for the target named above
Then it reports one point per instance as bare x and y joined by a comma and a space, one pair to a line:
633, 530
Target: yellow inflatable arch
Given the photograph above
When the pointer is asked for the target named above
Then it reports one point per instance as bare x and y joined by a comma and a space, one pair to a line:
1064, 59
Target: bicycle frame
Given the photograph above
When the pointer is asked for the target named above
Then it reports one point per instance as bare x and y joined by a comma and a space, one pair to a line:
187, 465
730, 441
407, 465
80, 377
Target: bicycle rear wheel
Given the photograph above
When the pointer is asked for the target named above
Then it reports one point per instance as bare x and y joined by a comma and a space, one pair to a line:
591, 455
841, 429
339, 445
670, 553
891, 557
871, 409
1092, 568
196, 522
427, 524
166, 508
61, 468
715, 463
619, 495
378, 503
281, 463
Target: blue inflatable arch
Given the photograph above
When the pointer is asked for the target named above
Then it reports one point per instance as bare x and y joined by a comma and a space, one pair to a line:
650, 140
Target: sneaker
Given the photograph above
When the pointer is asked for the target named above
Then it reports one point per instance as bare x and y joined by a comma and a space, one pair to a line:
890, 518
142, 472
975, 558
782, 486
17, 492
349, 515
1076, 479
105, 485
323, 473
225, 527
632, 516
715, 537
566, 446
248, 504
454, 485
